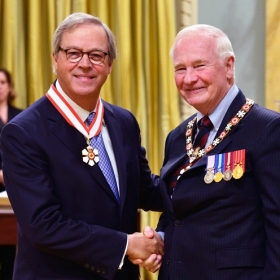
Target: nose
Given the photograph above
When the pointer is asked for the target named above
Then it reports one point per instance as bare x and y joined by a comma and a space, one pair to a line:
190, 76
85, 62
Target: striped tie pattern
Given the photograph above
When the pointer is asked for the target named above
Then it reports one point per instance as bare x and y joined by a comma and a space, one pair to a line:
204, 125
104, 161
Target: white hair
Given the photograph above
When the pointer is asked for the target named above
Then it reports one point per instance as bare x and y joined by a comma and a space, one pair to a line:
223, 45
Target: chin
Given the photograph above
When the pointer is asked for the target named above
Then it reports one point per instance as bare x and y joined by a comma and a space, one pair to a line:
82, 90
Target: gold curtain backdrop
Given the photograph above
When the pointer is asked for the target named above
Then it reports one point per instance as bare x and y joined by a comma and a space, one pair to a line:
272, 69
142, 77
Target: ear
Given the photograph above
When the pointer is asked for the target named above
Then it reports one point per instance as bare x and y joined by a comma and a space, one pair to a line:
230, 64
54, 60
110, 67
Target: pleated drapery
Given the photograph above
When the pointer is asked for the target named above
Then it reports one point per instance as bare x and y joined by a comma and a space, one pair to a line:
142, 78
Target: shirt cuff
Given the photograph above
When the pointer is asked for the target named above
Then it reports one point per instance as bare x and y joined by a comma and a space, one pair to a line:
161, 233
121, 264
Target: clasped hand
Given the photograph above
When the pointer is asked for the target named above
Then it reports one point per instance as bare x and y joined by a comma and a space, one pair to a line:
146, 249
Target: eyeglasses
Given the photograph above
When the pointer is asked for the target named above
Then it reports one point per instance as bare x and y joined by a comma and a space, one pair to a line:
74, 55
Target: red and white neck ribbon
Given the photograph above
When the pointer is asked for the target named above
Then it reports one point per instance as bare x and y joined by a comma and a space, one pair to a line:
71, 116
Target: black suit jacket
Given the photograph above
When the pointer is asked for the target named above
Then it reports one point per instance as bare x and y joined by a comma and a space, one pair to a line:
231, 229
70, 224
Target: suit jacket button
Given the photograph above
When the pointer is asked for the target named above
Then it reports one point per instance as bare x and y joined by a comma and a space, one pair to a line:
177, 223
92, 268
167, 262
98, 270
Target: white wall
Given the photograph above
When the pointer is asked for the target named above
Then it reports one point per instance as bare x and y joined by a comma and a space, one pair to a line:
244, 23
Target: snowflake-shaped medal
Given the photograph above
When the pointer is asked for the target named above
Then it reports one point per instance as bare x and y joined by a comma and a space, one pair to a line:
241, 114
90, 156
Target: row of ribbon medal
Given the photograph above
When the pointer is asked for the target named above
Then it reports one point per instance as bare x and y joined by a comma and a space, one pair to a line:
225, 166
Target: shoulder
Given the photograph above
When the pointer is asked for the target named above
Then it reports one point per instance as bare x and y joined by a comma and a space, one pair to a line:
257, 112
117, 110
31, 113
263, 115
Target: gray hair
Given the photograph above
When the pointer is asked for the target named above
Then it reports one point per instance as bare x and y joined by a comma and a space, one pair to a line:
75, 19
223, 45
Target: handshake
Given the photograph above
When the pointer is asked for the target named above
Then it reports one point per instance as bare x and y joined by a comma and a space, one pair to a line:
146, 249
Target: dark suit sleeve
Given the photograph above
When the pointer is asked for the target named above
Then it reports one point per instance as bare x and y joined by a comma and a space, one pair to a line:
150, 195
267, 174
164, 219
149, 190
30, 186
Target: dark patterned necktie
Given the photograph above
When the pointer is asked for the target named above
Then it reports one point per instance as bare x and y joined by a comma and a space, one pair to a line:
205, 126
104, 162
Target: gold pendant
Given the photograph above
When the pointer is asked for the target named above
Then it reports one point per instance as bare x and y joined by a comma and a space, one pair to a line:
237, 172
218, 177
195, 153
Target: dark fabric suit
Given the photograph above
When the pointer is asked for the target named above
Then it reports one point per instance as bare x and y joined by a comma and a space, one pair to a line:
228, 230
70, 224
7, 252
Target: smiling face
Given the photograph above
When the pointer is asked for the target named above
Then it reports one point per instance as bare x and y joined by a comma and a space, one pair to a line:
201, 77
82, 81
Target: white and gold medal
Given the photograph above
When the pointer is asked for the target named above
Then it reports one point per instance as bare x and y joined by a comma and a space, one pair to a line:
209, 176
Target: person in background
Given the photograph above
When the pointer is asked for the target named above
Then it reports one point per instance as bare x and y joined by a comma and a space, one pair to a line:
7, 112
220, 176
75, 170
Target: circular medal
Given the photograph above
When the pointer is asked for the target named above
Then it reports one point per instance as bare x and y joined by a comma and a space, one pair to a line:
237, 172
227, 175
218, 177
209, 177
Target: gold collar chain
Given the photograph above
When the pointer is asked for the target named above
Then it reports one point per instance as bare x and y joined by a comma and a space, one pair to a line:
198, 153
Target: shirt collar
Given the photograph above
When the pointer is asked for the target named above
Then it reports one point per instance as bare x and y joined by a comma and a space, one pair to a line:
217, 115
81, 112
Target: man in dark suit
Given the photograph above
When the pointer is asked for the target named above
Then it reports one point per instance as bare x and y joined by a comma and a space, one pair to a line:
75, 171
220, 176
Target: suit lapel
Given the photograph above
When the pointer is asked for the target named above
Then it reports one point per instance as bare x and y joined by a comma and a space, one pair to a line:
176, 152
75, 142
235, 106
171, 165
116, 137
67, 134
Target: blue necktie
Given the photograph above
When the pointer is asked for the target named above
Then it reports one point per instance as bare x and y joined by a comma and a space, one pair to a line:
104, 162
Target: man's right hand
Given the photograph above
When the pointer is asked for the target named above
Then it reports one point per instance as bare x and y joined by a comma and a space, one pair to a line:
143, 245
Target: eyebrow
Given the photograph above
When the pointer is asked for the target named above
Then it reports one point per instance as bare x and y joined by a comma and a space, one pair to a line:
76, 48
